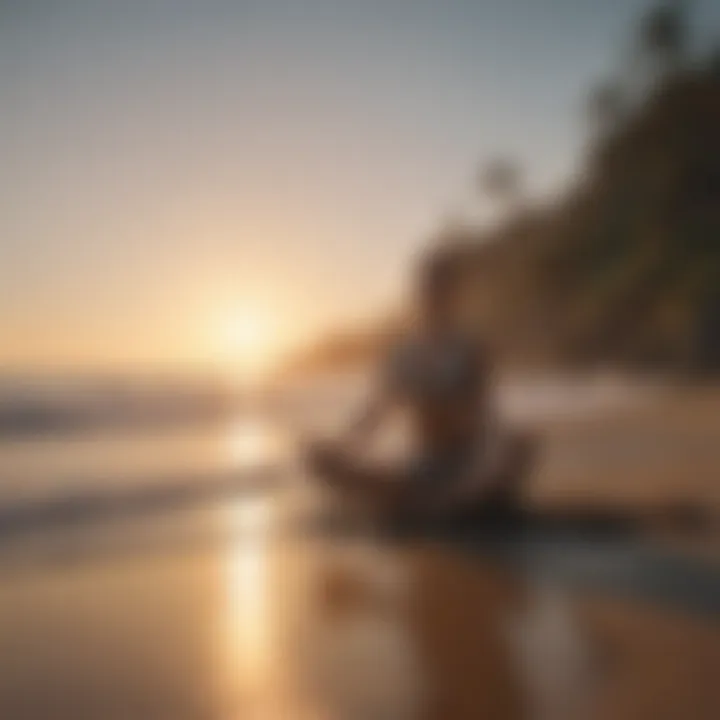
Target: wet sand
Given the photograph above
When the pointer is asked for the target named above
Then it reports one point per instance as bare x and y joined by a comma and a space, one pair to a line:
231, 611
209, 614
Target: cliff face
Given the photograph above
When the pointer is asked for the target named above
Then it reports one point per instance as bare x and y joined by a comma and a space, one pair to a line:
624, 269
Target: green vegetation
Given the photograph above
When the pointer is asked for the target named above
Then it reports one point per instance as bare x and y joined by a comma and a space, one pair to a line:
625, 267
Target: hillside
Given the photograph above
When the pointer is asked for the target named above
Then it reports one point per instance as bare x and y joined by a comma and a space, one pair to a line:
626, 267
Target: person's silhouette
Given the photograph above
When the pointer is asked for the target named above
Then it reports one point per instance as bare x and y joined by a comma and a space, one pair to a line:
440, 376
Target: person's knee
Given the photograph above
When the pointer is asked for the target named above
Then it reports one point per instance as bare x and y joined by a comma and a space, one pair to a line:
315, 453
323, 457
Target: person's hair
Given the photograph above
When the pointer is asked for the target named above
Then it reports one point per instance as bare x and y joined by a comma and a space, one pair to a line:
437, 276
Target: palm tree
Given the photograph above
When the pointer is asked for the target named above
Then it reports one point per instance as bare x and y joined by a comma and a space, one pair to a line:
500, 180
662, 36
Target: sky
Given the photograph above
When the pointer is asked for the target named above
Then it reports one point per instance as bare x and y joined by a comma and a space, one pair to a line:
177, 177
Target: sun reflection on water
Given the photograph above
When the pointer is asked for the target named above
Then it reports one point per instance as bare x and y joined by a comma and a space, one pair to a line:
250, 444
245, 636
247, 594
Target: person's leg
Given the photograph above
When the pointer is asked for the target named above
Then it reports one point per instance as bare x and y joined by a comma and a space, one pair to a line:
384, 484
489, 477
509, 467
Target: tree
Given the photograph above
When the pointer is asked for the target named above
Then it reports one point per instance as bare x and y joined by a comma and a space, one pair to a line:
662, 36
500, 180
714, 63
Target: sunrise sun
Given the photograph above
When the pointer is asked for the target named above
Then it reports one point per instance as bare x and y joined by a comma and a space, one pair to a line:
249, 343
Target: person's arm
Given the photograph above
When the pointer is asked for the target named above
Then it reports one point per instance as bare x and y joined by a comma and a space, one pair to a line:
325, 456
369, 417
381, 399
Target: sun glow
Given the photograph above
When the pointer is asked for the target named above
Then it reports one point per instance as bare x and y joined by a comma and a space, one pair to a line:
249, 343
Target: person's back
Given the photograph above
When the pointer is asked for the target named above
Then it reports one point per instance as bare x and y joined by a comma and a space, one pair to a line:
440, 380
439, 376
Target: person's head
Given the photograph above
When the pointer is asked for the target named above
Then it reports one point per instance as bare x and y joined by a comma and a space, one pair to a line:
436, 287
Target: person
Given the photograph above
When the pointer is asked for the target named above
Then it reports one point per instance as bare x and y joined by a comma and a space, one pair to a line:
441, 377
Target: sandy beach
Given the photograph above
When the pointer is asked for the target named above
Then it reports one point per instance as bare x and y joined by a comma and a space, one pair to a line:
230, 610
